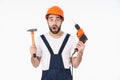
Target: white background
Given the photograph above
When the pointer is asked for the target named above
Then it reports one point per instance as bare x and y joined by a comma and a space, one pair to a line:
100, 20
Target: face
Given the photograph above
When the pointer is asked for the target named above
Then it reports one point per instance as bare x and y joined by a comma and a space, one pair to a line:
54, 23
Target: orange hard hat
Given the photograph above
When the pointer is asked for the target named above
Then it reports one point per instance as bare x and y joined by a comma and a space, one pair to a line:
55, 10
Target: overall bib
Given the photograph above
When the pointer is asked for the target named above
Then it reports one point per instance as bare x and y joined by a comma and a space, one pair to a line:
56, 69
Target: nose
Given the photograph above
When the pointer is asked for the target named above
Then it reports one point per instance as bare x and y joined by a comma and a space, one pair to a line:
54, 22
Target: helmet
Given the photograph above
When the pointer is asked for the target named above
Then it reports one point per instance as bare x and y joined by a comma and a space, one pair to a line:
55, 10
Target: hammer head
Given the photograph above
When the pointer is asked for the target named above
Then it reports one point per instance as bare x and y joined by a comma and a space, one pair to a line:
32, 30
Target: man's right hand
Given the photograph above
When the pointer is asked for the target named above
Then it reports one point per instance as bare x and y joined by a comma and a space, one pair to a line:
33, 50
34, 60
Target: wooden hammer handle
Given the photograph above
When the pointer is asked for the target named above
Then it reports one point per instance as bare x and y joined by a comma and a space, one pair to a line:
33, 40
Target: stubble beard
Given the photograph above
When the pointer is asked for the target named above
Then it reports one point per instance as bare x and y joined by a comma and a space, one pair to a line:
55, 32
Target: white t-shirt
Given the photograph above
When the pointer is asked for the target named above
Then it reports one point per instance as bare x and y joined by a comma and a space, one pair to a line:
43, 52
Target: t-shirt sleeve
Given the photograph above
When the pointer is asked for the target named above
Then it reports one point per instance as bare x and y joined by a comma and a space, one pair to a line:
73, 45
38, 40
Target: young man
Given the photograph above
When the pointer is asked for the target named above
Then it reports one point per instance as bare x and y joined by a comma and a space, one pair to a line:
54, 49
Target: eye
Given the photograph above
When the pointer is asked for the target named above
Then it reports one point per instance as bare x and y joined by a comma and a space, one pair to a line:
58, 19
50, 19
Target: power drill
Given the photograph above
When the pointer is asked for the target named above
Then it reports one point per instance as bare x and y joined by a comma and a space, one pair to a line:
81, 35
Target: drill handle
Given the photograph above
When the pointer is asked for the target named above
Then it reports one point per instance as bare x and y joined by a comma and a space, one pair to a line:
83, 38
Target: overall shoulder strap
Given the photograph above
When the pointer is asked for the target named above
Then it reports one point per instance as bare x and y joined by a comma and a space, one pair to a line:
47, 44
64, 43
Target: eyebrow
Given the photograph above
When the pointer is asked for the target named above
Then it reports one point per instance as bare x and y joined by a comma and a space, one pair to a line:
56, 17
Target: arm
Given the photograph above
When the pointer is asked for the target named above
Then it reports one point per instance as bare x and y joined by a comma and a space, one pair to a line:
77, 60
34, 60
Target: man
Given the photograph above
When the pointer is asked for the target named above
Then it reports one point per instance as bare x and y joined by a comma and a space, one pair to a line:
54, 49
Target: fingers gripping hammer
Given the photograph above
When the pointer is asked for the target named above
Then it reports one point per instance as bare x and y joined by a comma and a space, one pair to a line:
32, 35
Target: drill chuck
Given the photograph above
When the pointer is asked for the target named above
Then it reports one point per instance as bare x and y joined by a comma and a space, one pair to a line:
77, 26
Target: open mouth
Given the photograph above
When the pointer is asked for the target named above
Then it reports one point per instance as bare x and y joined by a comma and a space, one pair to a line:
54, 28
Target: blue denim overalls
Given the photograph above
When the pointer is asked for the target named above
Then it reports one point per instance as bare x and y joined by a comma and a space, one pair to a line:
56, 69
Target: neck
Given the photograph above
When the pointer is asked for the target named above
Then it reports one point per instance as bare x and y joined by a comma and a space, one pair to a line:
58, 35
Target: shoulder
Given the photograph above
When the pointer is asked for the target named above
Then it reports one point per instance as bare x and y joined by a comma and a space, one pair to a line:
71, 37
38, 38
45, 34
72, 40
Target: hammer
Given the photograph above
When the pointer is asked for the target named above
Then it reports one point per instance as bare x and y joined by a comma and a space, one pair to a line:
32, 35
